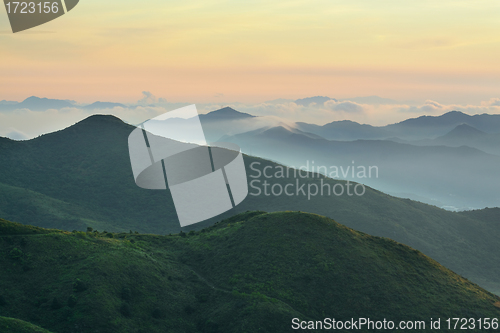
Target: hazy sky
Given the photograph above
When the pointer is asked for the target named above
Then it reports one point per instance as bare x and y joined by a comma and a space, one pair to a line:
252, 51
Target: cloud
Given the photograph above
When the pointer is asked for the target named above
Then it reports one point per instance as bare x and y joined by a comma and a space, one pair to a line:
492, 102
428, 107
17, 135
147, 99
14, 124
348, 106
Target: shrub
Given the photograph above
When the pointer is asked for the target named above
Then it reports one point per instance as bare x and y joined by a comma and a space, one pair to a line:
209, 326
182, 234
16, 254
202, 296
81, 234
189, 309
109, 235
157, 313
125, 310
79, 286
56, 305
126, 294
72, 301
192, 233
90, 229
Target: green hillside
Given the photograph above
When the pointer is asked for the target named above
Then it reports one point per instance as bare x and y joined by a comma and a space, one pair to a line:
81, 177
10, 325
253, 272
488, 215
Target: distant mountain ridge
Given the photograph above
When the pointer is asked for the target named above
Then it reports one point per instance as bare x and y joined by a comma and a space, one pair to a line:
463, 131
34, 103
37, 104
225, 114
434, 171
462, 135
423, 127
81, 177
320, 100
103, 105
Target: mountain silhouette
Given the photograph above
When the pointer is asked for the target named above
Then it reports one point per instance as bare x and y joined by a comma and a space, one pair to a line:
316, 99
224, 114
103, 105
81, 177
34, 103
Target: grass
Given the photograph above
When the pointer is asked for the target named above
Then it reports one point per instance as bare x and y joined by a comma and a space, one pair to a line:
10, 325
253, 272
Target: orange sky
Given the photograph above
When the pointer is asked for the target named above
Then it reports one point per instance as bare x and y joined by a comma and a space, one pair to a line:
252, 51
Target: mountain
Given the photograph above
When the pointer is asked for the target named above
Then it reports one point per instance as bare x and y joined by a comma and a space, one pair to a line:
34, 103
228, 121
224, 114
316, 100
282, 131
488, 215
435, 172
421, 128
103, 105
463, 131
462, 135
37, 104
253, 272
345, 130
4, 102
81, 177
432, 126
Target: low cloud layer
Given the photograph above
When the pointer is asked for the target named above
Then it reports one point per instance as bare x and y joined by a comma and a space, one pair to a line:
23, 124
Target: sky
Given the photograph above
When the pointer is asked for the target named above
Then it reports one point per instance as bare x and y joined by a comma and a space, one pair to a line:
218, 52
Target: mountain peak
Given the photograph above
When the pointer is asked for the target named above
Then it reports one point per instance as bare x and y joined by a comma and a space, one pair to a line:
103, 105
226, 113
464, 131
316, 99
34, 98
41, 104
100, 118
451, 118
455, 114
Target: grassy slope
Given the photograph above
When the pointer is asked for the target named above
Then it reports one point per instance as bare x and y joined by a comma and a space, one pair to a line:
253, 272
81, 176
10, 325
488, 215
